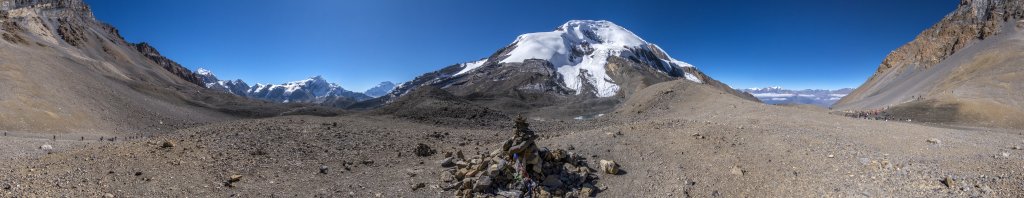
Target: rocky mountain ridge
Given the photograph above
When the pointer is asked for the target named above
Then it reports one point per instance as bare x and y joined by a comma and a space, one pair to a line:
964, 69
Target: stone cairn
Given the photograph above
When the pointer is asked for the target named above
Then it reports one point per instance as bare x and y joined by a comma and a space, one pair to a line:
519, 169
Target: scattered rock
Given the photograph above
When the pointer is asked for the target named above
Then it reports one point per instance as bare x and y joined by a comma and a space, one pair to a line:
323, 169
609, 167
423, 150
501, 173
934, 141
698, 136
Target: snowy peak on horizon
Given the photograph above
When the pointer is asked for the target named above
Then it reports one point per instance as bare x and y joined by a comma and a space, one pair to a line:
383, 88
579, 51
314, 89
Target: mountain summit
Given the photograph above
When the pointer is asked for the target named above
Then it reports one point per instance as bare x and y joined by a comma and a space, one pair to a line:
579, 50
582, 64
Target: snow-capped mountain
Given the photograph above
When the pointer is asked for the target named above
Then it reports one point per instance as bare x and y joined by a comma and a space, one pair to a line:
313, 90
381, 89
579, 60
778, 95
579, 50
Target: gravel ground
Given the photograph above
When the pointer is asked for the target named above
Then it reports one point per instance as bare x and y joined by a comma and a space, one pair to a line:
673, 139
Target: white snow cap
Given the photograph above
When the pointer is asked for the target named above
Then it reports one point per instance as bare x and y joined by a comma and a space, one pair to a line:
203, 71
583, 46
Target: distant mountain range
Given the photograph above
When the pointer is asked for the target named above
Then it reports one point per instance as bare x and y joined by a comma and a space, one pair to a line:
312, 90
778, 95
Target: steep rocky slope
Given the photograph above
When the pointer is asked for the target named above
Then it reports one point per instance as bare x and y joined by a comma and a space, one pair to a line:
965, 67
64, 72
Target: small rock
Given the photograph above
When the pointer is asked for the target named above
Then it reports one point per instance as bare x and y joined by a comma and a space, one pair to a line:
447, 162
108, 195
417, 186
1016, 148
231, 180
934, 141
423, 150
323, 169
1005, 154
586, 192
447, 176
949, 182
509, 193
609, 167
482, 184
831, 156
46, 147
138, 173
552, 181
736, 170
167, 144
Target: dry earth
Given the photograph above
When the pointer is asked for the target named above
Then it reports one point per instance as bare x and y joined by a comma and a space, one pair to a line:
674, 139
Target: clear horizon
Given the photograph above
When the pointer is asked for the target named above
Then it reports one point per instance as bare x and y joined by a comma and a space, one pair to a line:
792, 44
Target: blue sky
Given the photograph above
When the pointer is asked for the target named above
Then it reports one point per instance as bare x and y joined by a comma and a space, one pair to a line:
795, 44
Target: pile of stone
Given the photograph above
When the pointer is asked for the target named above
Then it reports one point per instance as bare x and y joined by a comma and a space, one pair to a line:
519, 169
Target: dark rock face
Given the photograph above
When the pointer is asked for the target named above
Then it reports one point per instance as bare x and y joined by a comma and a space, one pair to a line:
184, 73
71, 33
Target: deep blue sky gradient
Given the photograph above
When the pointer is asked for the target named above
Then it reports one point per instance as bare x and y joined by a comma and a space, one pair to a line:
795, 44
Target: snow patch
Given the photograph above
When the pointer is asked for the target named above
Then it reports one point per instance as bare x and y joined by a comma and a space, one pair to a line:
470, 66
